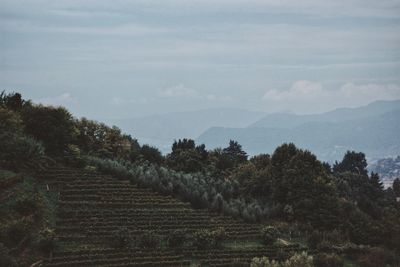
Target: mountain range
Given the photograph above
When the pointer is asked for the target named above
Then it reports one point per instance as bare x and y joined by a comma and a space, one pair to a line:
373, 129
162, 129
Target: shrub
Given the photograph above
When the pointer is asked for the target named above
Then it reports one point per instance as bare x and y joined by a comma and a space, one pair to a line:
149, 240
263, 262
314, 239
5, 258
269, 234
376, 257
26, 205
203, 239
219, 236
328, 260
177, 238
18, 151
18, 230
299, 260
209, 238
46, 240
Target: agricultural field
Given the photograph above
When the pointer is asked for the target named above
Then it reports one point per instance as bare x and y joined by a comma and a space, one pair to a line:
94, 209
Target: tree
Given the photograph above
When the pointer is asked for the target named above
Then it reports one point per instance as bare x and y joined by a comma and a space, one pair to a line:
261, 161
54, 127
352, 162
396, 186
10, 121
269, 234
235, 153
376, 187
12, 101
151, 154
186, 156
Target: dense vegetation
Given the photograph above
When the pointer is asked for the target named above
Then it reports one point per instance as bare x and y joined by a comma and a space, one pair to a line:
339, 212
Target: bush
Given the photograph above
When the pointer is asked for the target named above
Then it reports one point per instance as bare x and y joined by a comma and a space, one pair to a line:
18, 151
263, 262
219, 236
149, 240
203, 239
46, 240
376, 257
328, 260
299, 260
177, 238
26, 205
17, 230
269, 234
5, 258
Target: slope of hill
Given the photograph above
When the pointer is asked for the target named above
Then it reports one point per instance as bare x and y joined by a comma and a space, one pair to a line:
284, 120
93, 208
162, 130
377, 136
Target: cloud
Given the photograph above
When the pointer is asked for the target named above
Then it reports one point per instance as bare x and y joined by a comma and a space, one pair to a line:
179, 90
119, 101
61, 100
308, 96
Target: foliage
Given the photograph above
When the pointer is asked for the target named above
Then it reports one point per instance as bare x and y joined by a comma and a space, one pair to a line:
269, 235
19, 151
10, 121
264, 262
151, 154
205, 238
98, 139
354, 162
54, 127
12, 101
187, 157
328, 260
376, 257
396, 186
299, 260
5, 258
27, 204
46, 240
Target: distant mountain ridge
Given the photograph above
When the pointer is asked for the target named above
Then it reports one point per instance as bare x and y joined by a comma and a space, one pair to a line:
161, 130
373, 129
286, 120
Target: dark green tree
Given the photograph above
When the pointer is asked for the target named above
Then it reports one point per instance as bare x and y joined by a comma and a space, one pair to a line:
396, 187
54, 127
376, 187
151, 154
354, 162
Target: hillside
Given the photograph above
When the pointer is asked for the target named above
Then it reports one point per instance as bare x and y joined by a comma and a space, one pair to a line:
95, 208
376, 135
76, 192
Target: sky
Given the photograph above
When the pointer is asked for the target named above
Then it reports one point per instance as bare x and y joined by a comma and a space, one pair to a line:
119, 59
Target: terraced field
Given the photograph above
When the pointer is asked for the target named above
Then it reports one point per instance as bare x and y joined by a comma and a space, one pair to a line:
93, 206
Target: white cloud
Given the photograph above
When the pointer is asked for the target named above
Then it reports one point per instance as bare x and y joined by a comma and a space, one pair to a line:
309, 97
61, 100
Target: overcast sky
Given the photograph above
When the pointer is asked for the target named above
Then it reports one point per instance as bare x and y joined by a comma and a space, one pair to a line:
118, 59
